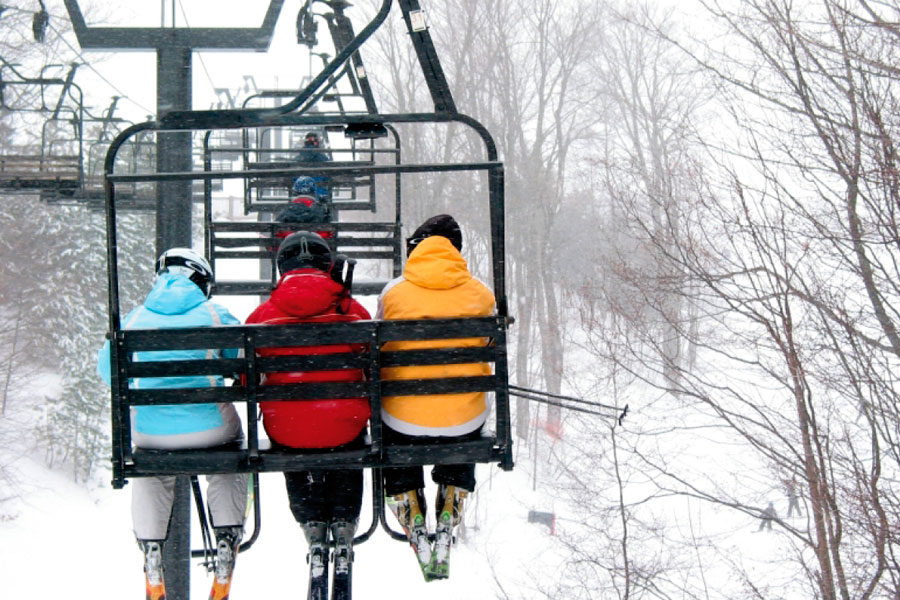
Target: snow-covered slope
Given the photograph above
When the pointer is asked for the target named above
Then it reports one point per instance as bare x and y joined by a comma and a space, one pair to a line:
62, 540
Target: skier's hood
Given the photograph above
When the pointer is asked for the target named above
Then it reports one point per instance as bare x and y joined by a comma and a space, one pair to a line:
173, 294
435, 264
306, 292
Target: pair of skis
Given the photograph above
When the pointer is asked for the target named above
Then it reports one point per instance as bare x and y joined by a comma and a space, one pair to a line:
318, 579
156, 589
434, 564
341, 577
433, 559
221, 587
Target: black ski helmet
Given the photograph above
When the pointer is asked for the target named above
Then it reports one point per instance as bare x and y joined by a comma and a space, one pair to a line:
312, 140
304, 249
189, 263
442, 225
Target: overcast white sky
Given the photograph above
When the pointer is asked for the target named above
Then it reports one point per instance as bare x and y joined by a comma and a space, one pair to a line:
132, 74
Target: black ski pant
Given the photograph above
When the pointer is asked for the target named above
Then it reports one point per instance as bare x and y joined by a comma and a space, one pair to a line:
326, 494
402, 479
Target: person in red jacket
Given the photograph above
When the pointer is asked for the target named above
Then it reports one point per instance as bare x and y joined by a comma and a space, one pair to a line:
305, 207
310, 290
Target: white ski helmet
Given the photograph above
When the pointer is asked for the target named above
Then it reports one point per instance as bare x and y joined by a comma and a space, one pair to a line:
189, 263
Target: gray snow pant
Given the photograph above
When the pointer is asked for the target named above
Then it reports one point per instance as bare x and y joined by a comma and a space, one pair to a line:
152, 497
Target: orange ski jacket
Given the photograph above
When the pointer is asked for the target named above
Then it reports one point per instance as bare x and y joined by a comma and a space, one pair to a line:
435, 284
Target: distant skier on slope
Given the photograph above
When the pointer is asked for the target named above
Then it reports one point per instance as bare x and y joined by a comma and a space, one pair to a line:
436, 283
793, 496
311, 290
766, 517
180, 298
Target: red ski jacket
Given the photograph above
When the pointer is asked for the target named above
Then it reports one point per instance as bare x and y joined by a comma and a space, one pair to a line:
311, 296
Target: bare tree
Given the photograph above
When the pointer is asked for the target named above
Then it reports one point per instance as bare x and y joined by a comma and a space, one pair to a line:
788, 258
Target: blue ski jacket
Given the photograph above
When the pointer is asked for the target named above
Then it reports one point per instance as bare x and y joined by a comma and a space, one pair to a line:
174, 301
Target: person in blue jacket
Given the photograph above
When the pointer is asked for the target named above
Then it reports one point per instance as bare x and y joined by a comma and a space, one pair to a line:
180, 298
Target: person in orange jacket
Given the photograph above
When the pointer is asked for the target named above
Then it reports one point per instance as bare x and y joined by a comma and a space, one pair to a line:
436, 283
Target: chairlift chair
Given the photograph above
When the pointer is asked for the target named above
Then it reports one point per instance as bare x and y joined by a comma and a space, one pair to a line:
52, 173
255, 455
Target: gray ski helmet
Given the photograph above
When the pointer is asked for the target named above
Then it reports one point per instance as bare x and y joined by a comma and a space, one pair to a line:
304, 186
189, 263
304, 249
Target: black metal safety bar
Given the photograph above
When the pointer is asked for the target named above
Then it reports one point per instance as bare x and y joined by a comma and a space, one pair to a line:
302, 170
258, 241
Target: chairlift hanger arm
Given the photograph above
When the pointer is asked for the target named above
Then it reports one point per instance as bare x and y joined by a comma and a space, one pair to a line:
341, 29
428, 59
66, 87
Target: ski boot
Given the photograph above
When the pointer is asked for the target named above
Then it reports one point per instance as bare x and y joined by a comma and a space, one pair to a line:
316, 533
448, 514
228, 540
342, 534
153, 569
409, 508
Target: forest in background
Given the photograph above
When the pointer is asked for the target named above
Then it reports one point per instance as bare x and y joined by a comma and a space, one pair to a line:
701, 224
